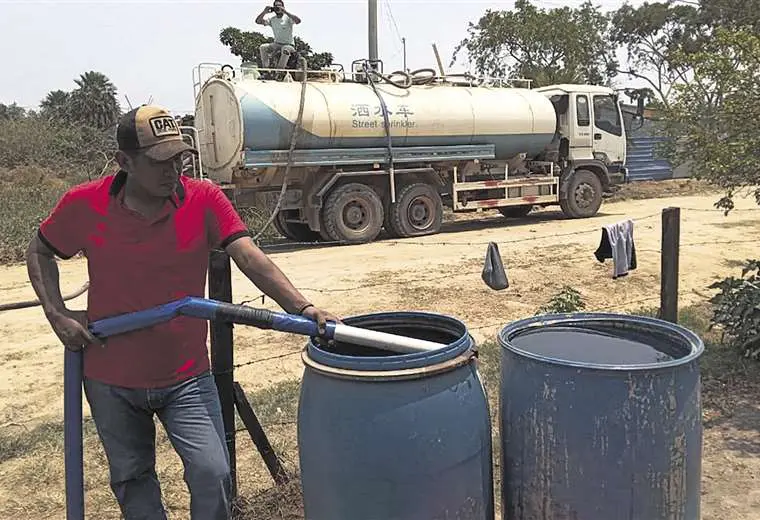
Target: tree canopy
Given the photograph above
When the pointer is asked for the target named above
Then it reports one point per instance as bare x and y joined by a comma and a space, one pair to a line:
245, 45
559, 45
714, 120
701, 60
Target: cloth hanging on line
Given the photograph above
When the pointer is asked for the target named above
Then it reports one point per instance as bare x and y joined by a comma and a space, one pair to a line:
617, 243
494, 274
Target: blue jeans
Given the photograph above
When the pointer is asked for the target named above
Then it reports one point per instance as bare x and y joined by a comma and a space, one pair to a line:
192, 417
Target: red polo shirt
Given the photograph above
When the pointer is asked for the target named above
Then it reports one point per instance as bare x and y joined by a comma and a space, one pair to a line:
135, 263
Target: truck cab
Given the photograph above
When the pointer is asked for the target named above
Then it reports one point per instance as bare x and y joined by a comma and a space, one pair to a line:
590, 127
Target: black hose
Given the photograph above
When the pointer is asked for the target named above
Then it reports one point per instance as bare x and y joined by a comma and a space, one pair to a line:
293, 137
386, 120
410, 77
423, 81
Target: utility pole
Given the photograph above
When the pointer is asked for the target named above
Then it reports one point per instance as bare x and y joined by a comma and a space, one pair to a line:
372, 32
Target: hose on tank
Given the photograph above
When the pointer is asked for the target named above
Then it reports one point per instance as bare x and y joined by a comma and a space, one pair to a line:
410, 77
386, 122
293, 138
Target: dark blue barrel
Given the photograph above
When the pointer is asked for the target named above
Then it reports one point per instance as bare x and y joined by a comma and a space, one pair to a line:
600, 419
385, 436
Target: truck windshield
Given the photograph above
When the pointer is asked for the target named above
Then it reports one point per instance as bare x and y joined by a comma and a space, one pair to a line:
607, 115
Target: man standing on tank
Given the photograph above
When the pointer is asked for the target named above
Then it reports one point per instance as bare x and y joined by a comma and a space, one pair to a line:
282, 29
147, 232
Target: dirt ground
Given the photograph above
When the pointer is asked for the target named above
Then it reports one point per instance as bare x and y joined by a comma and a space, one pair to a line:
441, 273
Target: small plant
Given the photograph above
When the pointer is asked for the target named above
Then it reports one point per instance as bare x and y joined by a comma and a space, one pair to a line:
566, 300
737, 309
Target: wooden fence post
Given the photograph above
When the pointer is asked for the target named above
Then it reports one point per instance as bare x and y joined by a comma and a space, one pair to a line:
669, 251
220, 288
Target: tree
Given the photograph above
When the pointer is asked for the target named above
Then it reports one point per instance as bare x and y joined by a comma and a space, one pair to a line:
94, 101
652, 34
731, 14
246, 45
715, 118
659, 37
12, 112
55, 106
559, 45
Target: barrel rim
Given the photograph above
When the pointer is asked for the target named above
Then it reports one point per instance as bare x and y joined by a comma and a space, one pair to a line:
396, 361
688, 337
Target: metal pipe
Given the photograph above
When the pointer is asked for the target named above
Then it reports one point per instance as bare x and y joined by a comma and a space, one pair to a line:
372, 31
262, 318
72, 434
438, 59
403, 44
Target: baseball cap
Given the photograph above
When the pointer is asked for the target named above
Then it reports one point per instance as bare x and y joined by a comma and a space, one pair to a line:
151, 130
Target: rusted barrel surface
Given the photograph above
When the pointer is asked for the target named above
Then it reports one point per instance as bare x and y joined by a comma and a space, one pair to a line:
600, 419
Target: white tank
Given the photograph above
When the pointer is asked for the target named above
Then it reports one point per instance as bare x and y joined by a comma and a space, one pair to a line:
249, 114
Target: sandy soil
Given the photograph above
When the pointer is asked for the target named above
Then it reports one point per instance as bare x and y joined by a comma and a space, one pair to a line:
442, 274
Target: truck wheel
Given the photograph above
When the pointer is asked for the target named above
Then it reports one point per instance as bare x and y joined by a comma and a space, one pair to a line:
418, 211
296, 231
353, 213
584, 195
516, 211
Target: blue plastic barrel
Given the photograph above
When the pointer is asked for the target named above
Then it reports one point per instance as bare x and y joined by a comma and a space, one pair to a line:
385, 436
600, 419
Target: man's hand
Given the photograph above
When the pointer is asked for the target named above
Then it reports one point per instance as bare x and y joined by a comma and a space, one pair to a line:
320, 316
71, 329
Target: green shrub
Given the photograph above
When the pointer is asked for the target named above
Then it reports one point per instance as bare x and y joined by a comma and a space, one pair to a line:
565, 301
73, 152
28, 195
737, 309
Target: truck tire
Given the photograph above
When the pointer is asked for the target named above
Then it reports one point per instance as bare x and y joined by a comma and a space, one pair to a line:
584, 195
353, 213
296, 231
418, 211
516, 211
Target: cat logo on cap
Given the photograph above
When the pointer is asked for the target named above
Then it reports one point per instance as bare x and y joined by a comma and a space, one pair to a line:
163, 126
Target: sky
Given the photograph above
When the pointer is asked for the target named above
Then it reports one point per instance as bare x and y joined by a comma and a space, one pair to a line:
149, 49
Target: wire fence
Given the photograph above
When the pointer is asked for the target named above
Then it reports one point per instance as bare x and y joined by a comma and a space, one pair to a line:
275, 246
649, 300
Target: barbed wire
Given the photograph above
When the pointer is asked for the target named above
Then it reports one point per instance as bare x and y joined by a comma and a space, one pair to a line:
622, 306
410, 242
718, 210
272, 247
507, 265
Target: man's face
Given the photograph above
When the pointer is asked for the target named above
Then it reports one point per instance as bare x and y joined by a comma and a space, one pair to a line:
278, 8
157, 178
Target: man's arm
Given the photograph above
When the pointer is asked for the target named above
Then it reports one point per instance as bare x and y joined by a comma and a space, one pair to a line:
69, 326
44, 276
260, 18
258, 268
227, 230
296, 20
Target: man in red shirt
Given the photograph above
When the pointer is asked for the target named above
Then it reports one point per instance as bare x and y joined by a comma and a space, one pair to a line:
147, 232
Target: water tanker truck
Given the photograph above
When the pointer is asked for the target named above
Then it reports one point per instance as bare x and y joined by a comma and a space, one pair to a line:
372, 152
